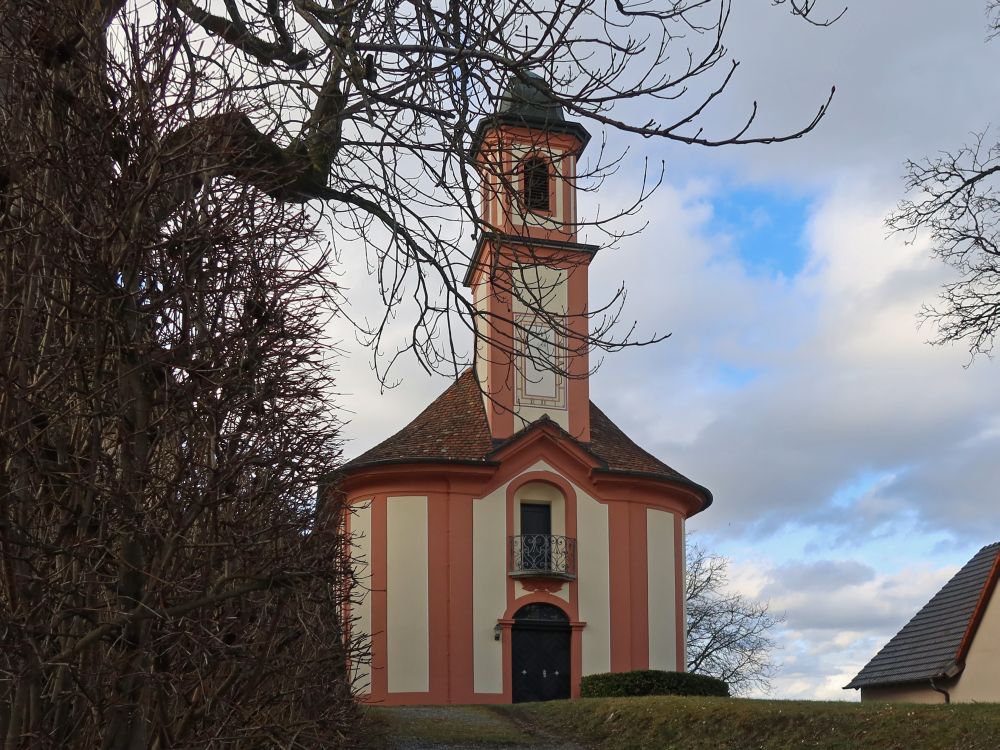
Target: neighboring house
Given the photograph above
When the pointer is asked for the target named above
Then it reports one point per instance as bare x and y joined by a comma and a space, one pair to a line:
512, 537
950, 650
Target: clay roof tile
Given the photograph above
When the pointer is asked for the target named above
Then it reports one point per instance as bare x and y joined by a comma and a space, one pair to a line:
454, 428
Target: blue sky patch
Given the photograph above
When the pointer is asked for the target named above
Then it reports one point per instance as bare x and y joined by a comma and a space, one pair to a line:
766, 227
731, 376
865, 483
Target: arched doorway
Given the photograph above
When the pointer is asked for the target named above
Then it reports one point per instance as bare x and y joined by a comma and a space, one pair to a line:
540, 654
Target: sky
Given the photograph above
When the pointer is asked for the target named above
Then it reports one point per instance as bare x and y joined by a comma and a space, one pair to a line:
854, 466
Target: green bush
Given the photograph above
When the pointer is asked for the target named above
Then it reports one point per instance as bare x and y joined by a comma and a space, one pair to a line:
650, 682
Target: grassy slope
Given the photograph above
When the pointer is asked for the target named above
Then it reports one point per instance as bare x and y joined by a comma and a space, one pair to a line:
455, 725
732, 724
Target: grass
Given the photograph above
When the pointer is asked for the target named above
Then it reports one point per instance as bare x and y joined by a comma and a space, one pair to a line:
670, 723
452, 725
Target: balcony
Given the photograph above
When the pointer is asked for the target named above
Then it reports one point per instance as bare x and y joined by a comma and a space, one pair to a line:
542, 556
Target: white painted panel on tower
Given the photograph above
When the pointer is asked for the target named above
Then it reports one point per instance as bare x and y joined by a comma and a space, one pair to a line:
539, 361
361, 540
661, 587
540, 287
407, 626
489, 588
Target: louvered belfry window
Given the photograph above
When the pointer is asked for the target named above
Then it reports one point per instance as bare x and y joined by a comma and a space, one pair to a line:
535, 183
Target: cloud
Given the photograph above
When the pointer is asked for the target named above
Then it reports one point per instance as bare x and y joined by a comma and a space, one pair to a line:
824, 575
838, 614
854, 466
843, 382
909, 81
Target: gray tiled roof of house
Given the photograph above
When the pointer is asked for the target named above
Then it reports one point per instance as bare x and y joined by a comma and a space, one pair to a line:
933, 643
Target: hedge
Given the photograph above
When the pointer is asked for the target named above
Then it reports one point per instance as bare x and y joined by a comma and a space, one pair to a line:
650, 682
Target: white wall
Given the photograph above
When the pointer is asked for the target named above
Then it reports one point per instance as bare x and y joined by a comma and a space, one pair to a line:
594, 582
980, 681
489, 588
661, 589
361, 533
408, 626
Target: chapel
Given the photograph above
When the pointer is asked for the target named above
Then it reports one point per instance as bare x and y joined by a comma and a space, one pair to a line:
511, 538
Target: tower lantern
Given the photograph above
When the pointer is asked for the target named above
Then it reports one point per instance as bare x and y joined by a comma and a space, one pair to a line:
529, 273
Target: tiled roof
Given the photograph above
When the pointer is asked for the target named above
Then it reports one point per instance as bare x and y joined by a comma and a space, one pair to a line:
934, 641
619, 451
454, 428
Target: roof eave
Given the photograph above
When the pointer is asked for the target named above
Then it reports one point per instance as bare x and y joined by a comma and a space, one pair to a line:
567, 127
675, 481
516, 239
350, 468
945, 672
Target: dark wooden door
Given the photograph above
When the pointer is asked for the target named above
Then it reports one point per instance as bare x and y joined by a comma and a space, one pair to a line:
540, 655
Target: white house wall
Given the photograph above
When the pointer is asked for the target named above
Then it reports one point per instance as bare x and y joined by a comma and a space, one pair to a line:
489, 593
594, 591
361, 611
407, 624
661, 586
979, 681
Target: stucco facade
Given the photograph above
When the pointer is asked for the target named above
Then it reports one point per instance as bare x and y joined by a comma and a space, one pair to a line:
436, 567
512, 518
980, 680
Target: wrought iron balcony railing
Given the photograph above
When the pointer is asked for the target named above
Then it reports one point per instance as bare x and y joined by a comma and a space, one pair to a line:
542, 556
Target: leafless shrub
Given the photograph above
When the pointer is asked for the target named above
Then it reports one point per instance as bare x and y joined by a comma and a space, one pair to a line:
164, 425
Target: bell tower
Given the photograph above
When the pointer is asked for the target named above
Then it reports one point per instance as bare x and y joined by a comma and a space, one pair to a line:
528, 273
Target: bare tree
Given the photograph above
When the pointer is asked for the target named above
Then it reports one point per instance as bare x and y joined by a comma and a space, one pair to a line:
370, 108
165, 580
728, 635
955, 199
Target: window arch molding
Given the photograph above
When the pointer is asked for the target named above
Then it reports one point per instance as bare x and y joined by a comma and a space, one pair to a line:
569, 520
546, 477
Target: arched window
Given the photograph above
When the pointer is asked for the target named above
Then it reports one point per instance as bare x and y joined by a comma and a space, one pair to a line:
535, 183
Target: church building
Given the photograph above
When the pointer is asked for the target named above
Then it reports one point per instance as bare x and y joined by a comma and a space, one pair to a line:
512, 538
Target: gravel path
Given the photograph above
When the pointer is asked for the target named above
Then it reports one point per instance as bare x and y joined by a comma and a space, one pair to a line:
463, 728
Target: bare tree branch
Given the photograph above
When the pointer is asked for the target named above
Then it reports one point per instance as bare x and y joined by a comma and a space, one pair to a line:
953, 199
728, 635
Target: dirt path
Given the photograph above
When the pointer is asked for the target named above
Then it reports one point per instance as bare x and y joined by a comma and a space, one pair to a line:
462, 728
